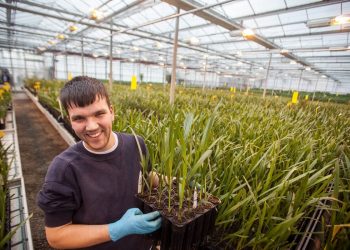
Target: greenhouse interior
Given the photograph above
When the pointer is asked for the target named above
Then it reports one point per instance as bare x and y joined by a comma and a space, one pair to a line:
237, 113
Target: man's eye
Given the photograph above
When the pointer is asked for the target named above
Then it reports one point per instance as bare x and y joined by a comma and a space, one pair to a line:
77, 119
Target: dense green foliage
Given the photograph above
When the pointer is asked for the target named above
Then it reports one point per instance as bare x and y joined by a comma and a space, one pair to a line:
270, 162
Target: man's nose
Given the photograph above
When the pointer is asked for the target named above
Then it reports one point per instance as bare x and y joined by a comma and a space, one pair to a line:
91, 124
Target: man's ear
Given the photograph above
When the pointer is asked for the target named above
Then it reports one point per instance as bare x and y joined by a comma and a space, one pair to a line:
111, 109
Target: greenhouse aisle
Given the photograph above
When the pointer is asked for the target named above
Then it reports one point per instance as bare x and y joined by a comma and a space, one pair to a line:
38, 142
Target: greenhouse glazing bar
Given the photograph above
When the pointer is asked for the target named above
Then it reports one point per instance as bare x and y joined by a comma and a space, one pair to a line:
275, 12
223, 22
173, 75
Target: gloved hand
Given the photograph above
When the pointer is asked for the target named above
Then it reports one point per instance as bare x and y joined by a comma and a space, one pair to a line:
134, 222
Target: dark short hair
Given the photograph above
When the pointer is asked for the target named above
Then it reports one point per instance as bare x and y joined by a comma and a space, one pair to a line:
82, 91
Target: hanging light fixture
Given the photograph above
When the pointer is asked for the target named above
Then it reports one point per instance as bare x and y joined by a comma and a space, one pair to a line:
52, 42
192, 40
341, 19
73, 28
159, 45
325, 22
41, 48
61, 36
95, 14
248, 33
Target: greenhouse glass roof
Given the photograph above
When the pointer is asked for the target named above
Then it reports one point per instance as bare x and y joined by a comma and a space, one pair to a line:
299, 36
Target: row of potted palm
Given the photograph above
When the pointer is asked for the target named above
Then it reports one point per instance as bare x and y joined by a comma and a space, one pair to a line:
4, 196
5, 103
269, 163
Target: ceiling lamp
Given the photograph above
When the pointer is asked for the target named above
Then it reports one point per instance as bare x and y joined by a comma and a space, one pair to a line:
41, 48
52, 42
73, 28
95, 55
293, 62
159, 45
193, 41
135, 48
235, 33
307, 68
247, 33
284, 51
318, 23
325, 22
61, 36
95, 14
323, 76
342, 19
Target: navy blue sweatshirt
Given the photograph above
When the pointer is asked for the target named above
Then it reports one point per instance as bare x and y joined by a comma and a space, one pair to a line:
94, 189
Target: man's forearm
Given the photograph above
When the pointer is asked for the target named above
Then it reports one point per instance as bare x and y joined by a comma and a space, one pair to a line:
71, 236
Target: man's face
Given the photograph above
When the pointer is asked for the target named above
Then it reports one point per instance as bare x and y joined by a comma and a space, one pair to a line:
93, 124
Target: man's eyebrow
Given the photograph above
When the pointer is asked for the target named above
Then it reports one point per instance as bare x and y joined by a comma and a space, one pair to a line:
100, 111
77, 116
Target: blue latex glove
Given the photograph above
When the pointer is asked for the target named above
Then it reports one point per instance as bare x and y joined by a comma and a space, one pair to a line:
134, 222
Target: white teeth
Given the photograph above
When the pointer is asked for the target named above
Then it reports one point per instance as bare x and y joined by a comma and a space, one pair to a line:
94, 135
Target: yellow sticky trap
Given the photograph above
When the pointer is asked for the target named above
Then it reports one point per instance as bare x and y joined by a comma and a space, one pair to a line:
7, 86
307, 97
133, 85
295, 97
70, 76
37, 85
234, 90
231, 89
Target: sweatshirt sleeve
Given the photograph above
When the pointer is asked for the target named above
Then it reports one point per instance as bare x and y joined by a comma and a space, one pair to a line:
58, 198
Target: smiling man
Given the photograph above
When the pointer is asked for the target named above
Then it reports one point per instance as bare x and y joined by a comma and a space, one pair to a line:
88, 194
